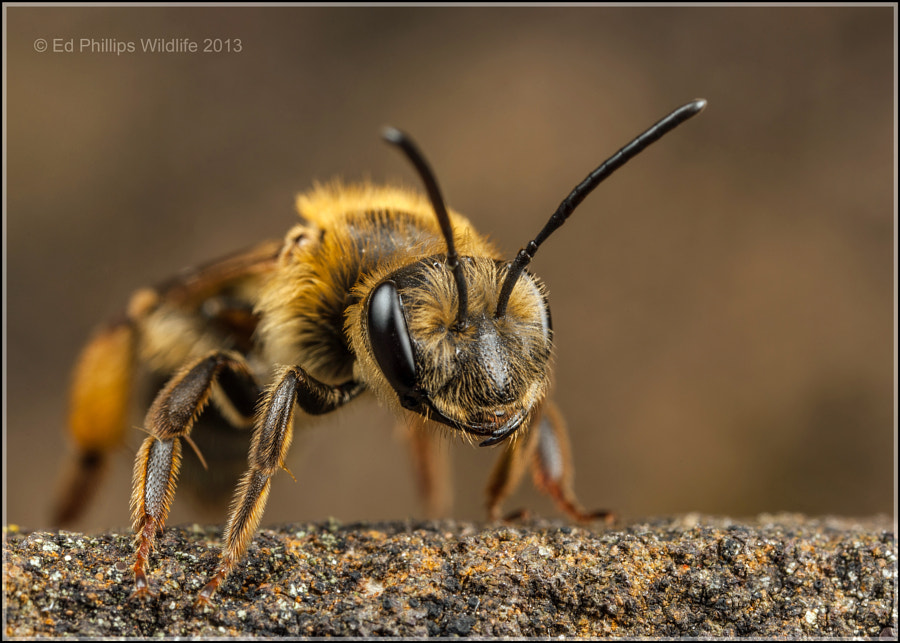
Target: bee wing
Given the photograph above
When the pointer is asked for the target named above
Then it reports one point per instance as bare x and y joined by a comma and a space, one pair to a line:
198, 284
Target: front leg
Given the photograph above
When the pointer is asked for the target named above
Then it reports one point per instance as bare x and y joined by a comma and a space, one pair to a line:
551, 465
271, 441
546, 448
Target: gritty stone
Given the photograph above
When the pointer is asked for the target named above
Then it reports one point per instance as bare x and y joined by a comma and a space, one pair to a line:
692, 576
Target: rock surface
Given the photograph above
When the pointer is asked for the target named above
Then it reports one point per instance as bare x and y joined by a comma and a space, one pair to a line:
697, 576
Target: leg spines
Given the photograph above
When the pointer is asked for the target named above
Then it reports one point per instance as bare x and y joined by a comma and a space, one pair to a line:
138, 481
246, 513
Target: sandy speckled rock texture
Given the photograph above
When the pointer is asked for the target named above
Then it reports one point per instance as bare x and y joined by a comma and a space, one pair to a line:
772, 576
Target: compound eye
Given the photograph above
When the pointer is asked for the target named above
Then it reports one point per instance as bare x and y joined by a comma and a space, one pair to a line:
390, 339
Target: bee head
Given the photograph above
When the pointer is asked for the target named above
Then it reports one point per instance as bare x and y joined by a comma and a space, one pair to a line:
467, 342
484, 375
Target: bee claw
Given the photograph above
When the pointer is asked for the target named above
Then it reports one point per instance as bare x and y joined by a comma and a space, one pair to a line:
204, 598
141, 589
607, 517
519, 514
203, 601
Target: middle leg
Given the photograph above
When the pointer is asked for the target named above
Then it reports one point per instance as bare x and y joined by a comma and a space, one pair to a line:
431, 466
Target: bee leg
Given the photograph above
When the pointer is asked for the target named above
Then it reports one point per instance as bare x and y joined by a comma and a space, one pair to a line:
270, 444
431, 468
171, 416
551, 465
507, 473
98, 411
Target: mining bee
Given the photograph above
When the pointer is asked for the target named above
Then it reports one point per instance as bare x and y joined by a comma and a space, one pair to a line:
378, 289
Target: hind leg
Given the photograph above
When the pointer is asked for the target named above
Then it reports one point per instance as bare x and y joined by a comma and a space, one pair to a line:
99, 404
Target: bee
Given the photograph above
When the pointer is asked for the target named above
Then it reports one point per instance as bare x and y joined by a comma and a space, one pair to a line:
379, 289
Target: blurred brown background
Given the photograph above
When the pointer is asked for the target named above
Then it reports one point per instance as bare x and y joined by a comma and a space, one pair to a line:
723, 306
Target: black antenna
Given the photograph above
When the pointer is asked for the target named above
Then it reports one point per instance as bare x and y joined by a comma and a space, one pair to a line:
404, 142
584, 188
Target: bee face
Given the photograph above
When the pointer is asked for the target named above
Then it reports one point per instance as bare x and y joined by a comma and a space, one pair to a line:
483, 375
